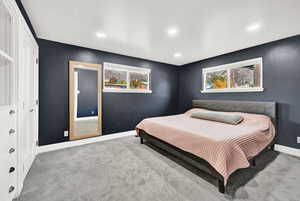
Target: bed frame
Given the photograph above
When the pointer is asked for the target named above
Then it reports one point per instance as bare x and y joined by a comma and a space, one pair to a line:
265, 108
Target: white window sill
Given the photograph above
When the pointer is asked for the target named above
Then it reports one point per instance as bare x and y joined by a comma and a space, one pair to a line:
127, 91
233, 90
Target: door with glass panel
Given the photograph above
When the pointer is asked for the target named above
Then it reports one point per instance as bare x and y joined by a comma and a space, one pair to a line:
7, 104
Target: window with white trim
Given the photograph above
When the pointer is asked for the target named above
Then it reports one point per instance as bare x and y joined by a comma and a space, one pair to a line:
244, 76
126, 79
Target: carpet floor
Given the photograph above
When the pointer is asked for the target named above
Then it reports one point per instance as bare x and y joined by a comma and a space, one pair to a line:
124, 170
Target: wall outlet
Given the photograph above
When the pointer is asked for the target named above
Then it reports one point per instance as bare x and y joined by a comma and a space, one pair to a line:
66, 133
298, 140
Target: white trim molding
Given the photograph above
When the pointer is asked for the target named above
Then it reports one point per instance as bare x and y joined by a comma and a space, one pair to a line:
287, 150
63, 145
122, 67
230, 90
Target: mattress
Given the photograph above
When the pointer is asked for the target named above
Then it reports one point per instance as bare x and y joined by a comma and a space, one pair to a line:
225, 147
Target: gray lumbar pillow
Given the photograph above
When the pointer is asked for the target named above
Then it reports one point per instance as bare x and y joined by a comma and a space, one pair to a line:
219, 117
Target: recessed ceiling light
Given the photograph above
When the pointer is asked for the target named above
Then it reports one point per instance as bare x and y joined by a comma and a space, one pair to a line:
172, 32
253, 27
177, 54
101, 35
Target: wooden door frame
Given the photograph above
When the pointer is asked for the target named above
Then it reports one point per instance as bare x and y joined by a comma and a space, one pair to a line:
72, 66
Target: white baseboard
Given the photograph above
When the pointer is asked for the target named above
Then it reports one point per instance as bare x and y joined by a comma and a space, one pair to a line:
287, 150
63, 145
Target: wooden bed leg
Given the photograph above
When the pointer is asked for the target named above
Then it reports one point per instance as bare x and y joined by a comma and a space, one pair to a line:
142, 140
272, 147
221, 186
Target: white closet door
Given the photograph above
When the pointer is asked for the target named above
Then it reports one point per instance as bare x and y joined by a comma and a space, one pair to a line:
29, 109
18, 96
7, 105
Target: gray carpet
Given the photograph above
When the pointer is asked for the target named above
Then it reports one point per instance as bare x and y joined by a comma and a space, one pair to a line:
124, 170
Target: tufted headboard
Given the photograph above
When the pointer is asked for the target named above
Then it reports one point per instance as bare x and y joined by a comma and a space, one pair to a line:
265, 108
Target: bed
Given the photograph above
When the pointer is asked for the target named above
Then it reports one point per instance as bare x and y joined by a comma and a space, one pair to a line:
216, 148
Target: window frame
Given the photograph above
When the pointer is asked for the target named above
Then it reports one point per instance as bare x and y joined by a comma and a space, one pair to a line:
228, 68
128, 70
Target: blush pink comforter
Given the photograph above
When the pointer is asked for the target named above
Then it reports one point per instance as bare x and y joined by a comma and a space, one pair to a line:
225, 147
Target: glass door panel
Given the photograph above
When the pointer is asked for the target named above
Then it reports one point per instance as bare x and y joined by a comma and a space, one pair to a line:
5, 31
6, 58
5, 82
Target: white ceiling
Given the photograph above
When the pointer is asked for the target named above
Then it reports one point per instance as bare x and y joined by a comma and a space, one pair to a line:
138, 28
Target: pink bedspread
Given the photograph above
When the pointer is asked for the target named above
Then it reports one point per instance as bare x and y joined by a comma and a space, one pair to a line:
225, 147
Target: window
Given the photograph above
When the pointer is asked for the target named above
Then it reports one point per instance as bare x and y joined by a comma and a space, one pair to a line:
126, 79
115, 79
244, 76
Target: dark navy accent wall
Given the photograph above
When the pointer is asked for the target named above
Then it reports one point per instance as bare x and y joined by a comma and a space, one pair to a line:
87, 101
173, 88
121, 111
281, 62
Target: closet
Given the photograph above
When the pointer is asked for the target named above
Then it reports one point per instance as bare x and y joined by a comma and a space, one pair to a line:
18, 100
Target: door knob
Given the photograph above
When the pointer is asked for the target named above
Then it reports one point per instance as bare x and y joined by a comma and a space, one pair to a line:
11, 150
11, 169
31, 110
11, 189
11, 112
11, 131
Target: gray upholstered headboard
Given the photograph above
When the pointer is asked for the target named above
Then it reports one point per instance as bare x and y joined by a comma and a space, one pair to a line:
265, 108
